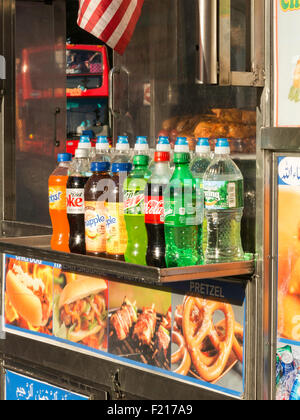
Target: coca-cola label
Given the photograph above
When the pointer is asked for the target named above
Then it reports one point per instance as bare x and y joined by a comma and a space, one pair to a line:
75, 201
154, 210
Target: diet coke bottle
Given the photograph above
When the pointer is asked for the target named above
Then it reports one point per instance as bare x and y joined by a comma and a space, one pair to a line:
154, 210
78, 177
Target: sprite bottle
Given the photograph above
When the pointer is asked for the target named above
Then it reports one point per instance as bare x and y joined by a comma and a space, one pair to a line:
134, 214
224, 203
183, 208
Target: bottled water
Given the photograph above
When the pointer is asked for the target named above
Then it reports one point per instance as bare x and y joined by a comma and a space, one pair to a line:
224, 202
122, 153
102, 150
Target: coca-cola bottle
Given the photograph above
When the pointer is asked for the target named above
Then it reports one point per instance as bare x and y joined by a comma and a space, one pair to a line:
154, 210
78, 177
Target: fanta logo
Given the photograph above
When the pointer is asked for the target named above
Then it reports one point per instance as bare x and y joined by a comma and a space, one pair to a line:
95, 221
110, 221
53, 198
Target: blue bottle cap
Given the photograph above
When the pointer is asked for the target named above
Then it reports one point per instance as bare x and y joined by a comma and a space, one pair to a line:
100, 166
222, 147
163, 140
181, 141
64, 157
141, 140
222, 143
102, 140
203, 142
84, 139
123, 140
121, 167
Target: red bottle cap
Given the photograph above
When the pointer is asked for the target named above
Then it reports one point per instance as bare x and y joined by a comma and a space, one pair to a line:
161, 157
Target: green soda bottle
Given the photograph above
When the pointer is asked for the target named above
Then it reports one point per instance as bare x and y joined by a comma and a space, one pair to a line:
134, 214
183, 207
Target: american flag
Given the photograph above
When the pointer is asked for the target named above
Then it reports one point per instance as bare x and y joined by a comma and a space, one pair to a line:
112, 21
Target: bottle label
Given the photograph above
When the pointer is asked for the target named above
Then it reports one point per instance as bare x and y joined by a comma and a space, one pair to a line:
57, 198
95, 226
223, 195
154, 210
75, 201
116, 233
134, 202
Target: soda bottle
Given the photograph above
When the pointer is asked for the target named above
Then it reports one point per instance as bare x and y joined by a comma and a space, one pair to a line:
85, 143
134, 211
57, 184
95, 196
154, 210
78, 176
199, 164
224, 201
122, 152
183, 216
116, 229
102, 150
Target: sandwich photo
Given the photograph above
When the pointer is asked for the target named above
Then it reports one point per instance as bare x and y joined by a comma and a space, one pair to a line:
28, 297
81, 312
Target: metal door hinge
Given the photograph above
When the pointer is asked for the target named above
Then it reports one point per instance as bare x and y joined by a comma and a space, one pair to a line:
116, 386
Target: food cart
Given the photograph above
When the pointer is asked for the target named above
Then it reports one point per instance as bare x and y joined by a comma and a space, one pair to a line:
199, 69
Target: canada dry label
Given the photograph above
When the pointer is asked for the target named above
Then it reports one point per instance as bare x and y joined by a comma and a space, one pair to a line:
222, 195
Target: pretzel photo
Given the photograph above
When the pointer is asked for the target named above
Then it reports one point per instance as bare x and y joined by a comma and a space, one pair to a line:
181, 354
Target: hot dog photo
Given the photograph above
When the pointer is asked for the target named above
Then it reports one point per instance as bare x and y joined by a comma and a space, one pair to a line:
140, 324
207, 340
28, 295
80, 310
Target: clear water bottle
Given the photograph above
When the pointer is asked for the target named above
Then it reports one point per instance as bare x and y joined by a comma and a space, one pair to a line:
122, 152
224, 203
85, 143
102, 150
201, 161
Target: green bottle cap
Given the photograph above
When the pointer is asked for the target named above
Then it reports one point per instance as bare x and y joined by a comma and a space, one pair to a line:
142, 160
182, 158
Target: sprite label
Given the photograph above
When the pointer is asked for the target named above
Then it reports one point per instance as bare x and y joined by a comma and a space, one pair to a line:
223, 195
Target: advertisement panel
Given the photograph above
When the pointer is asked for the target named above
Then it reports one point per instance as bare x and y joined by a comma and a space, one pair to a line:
192, 331
286, 63
288, 272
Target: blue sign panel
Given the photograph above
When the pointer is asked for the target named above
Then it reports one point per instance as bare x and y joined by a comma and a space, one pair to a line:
19, 387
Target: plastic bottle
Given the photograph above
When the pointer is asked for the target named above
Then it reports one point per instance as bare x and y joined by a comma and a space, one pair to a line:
295, 393
102, 150
78, 176
95, 195
134, 211
116, 229
57, 184
154, 210
181, 145
85, 143
183, 206
224, 201
122, 152
201, 161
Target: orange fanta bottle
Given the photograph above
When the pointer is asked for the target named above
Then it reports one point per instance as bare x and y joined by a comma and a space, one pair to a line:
57, 203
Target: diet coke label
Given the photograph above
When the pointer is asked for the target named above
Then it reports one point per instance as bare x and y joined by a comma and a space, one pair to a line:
154, 210
75, 201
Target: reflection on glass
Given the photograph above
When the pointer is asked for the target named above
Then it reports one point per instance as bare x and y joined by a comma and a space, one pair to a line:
240, 35
84, 62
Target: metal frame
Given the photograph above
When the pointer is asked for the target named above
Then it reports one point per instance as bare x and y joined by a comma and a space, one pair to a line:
256, 76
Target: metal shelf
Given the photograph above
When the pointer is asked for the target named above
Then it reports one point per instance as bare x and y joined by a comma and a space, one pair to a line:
38, 248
